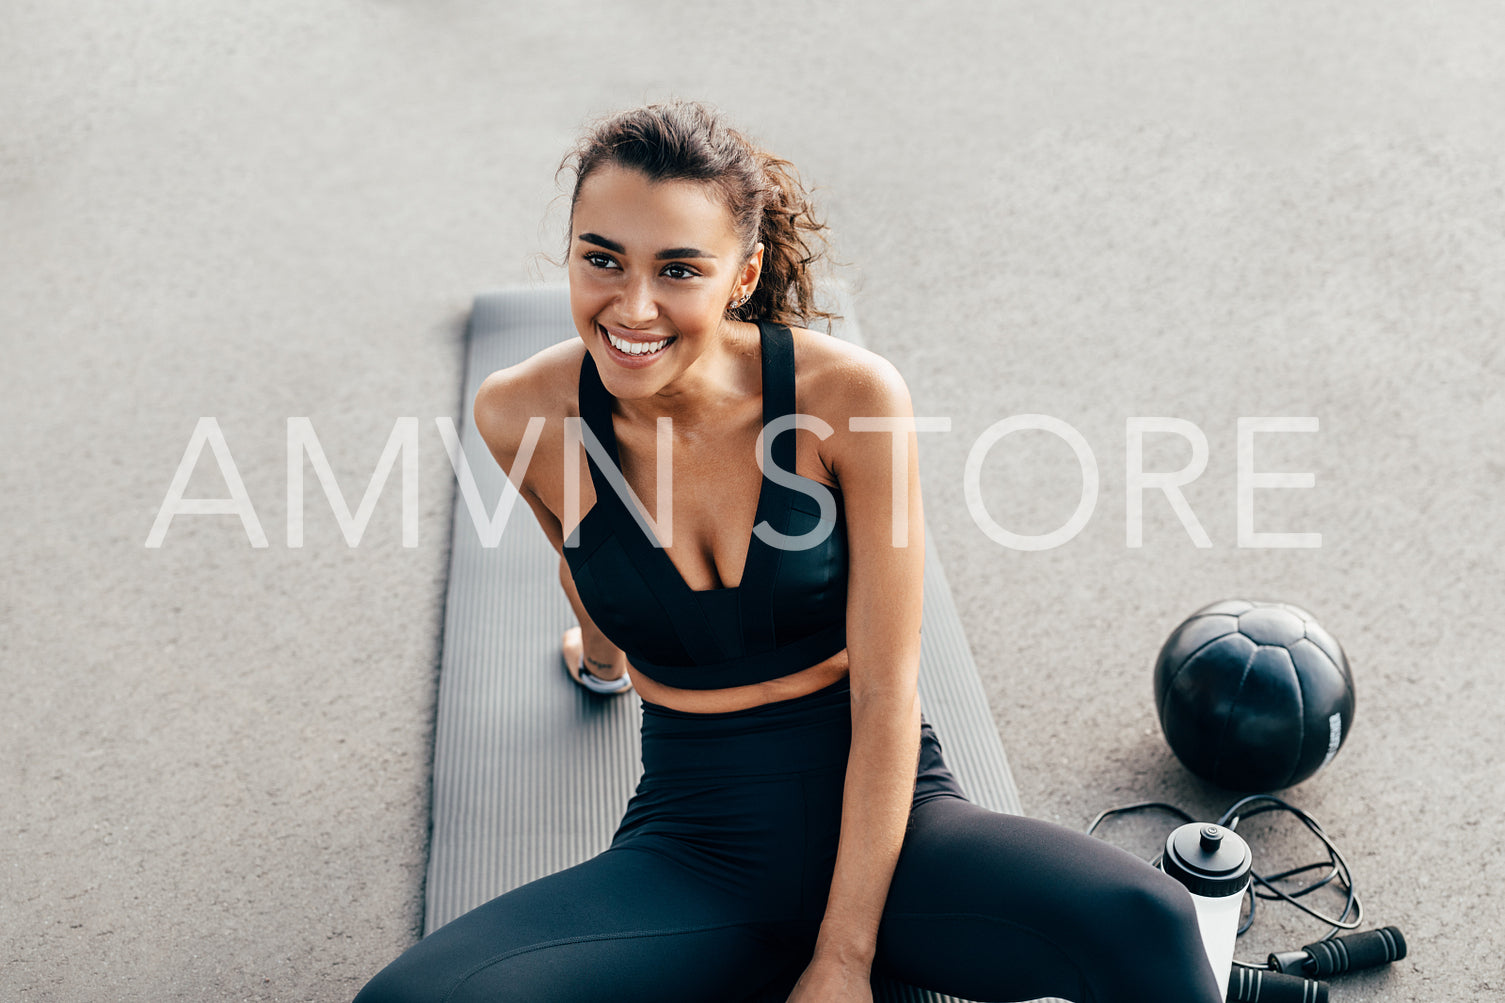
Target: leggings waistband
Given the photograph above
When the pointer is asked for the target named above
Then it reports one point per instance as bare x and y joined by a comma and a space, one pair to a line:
807, 732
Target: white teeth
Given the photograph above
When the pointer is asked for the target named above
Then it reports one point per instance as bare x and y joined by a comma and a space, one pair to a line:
635, 347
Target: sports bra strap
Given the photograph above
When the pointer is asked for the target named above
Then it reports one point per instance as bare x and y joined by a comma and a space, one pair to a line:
731, 636
778, 386
757, 585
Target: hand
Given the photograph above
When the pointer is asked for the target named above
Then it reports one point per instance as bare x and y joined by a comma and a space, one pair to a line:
603, 679
833, 982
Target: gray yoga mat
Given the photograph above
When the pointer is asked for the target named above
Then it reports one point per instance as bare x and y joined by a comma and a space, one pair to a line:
531, 773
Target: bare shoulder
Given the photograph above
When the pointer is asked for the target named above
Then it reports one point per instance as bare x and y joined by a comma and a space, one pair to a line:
841, 383
839, 380
544, 385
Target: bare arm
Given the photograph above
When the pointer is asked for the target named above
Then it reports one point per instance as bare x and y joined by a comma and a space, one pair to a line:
883, 647
604, 659
504, 404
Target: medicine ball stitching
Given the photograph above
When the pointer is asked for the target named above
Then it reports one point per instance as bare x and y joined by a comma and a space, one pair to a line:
1192, 655
1335, 653
1300, 707
1233, 704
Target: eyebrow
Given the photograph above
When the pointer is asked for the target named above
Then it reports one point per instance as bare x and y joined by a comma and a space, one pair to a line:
666, 253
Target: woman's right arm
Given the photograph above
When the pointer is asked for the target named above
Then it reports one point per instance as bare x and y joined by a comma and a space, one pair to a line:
504, 404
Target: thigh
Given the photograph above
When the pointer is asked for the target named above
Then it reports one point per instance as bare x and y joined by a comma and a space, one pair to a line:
991, 906
628, 924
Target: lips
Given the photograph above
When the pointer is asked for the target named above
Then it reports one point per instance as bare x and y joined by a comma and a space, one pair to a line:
632, 351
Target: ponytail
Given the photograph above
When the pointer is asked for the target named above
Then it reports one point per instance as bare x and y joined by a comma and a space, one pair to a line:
793, 241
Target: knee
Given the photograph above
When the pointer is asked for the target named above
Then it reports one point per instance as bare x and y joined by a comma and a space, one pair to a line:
1149, 916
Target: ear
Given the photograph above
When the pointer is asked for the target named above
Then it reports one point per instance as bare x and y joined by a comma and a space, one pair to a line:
748, 278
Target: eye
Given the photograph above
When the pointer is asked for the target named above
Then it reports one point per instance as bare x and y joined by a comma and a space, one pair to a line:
679, 271
598, 259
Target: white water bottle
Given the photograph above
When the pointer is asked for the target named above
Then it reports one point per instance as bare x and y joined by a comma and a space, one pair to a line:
1213, 863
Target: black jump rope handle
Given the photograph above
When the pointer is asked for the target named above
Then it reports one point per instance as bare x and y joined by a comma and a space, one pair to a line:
1327, 958
1255, 985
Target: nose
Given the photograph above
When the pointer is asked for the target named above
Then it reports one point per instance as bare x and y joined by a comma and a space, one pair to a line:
636, 306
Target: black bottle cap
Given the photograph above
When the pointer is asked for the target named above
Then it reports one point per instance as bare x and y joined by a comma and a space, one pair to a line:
1209, 860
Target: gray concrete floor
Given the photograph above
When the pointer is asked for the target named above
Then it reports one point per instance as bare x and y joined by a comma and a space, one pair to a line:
214, 757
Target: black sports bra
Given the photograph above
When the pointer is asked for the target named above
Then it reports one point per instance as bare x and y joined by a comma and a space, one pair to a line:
787, 613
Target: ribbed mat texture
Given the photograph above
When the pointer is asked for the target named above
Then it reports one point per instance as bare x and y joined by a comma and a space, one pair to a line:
531, 773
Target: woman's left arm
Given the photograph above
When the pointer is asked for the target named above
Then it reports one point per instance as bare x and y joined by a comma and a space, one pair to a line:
881, 492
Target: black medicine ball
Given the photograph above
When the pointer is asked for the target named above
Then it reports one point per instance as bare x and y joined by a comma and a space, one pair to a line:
1253, 696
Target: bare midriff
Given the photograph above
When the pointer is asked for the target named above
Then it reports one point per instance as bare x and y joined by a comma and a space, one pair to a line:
796, 684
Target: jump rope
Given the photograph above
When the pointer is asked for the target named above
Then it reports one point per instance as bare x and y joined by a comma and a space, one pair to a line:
1294, 975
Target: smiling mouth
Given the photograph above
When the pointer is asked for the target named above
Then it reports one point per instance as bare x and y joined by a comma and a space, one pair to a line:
635, 349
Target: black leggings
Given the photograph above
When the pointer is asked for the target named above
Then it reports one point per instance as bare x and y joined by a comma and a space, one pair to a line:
715, 882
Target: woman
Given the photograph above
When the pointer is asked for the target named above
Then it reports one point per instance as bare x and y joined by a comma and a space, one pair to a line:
796, 826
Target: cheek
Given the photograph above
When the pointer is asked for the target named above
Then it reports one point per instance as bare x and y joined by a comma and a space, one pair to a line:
583, 314
707, 301
697, 314
587, 294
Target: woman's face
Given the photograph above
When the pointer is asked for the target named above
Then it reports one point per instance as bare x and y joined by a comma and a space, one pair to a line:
652, 269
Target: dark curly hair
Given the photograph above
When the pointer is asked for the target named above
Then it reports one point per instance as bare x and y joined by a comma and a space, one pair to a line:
688, 141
